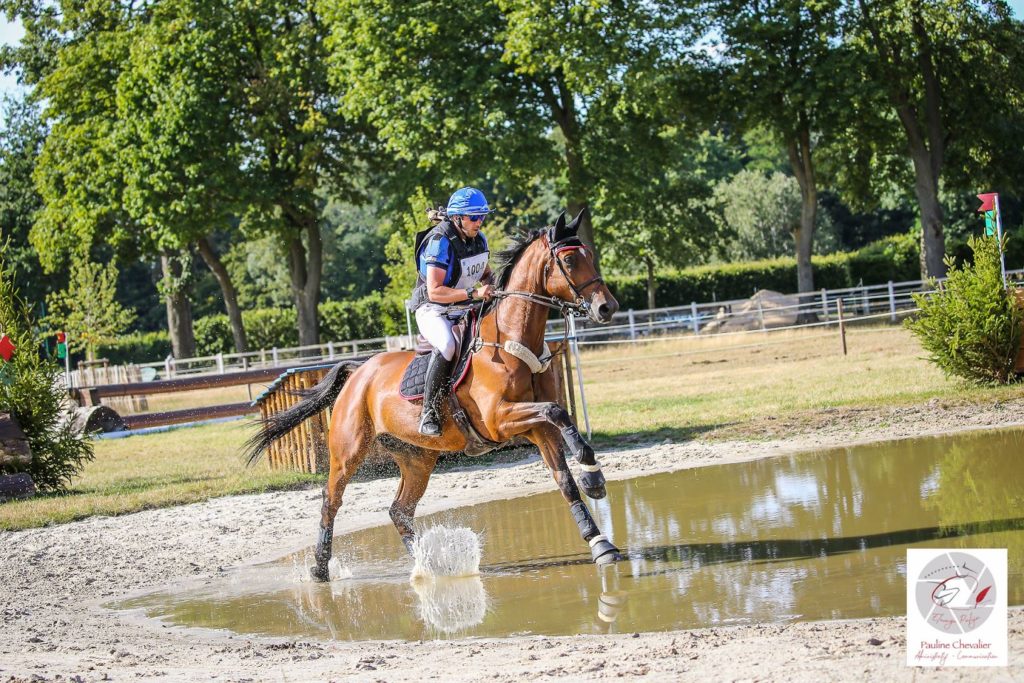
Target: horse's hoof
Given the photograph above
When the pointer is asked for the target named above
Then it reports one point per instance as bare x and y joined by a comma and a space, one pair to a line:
604, 552
592, 484
320, 574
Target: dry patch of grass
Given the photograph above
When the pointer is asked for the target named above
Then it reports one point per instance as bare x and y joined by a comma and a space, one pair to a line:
695, 385
155, 470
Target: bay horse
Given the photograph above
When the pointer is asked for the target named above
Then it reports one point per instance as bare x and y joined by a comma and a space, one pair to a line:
500, 394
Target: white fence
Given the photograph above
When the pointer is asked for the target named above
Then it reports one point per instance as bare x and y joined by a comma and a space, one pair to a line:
888, 301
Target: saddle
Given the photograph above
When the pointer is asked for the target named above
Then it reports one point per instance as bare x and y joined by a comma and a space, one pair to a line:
415, 376
414, 380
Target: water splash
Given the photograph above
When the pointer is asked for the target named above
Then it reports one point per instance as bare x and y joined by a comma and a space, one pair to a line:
451, 604
336, 570
446, 551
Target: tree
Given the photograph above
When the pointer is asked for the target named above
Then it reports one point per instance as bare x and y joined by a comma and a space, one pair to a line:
497, 90
951, 72
786, 69
88, 309
20, 142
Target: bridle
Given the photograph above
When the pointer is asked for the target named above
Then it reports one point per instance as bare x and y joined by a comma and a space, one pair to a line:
579, 306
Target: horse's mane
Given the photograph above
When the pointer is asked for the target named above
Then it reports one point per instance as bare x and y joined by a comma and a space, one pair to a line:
507, 258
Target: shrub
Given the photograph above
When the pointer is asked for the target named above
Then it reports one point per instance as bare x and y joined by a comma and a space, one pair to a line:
970, 327
141, 347
32, 392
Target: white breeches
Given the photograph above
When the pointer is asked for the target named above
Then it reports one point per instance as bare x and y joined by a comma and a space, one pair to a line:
436, 328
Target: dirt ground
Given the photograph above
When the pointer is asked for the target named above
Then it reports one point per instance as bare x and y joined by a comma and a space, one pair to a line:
53, 582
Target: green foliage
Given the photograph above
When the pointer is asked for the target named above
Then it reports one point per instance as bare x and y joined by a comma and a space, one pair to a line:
894, 258
88, 309
760, 212
971, 326
367, 318
141, 347
31, 391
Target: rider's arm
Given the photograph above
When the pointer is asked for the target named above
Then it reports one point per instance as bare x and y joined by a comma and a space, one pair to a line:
438, 293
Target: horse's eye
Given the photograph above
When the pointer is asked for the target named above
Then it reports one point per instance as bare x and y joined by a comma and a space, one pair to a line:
570, 260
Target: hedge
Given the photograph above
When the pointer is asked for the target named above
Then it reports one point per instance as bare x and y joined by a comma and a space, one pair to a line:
894, 258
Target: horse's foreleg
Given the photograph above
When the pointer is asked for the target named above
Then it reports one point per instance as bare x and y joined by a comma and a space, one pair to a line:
520, 417
602, 549
416, 469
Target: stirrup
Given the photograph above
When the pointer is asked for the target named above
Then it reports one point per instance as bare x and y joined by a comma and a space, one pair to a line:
429, 423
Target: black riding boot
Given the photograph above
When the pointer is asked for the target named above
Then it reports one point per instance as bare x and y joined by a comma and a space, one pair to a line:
433, 393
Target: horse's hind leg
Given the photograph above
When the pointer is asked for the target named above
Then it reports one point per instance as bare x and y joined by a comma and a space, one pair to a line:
416, 465
347, 454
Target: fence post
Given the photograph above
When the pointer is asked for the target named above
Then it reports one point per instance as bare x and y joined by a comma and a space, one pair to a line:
824, 302
168, 367
220, 363
867, 302
273, 354
693, 317
632, 325
760, 313
263, 356
892, 303
842, 324
330, 350
355, 348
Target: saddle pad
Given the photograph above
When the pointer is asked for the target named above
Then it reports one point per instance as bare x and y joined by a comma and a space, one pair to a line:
415, 377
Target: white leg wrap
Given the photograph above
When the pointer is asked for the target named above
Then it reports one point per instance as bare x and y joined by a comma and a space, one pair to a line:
596, 467
597, 539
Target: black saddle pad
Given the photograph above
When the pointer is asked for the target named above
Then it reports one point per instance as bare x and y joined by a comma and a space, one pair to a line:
415, 377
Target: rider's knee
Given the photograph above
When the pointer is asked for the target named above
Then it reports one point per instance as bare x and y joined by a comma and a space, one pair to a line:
448, 349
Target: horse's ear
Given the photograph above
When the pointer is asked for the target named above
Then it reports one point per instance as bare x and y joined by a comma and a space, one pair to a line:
574, 226
559, 231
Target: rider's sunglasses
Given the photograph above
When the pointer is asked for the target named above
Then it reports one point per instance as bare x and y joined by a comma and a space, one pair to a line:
476, 217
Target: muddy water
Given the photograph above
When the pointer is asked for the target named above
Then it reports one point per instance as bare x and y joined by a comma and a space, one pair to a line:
805, 537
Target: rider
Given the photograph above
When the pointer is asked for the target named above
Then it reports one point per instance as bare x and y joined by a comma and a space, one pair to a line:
452, 261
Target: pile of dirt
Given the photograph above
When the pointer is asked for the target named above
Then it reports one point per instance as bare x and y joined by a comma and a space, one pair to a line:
766, 309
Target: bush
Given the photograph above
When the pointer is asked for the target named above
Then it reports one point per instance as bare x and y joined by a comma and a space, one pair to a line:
970, 327
32, 392
893, 258
141, 347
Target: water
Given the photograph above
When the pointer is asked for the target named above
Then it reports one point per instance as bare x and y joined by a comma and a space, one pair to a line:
805, 537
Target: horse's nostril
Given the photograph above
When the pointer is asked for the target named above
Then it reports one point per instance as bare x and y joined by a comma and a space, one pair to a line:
604, 312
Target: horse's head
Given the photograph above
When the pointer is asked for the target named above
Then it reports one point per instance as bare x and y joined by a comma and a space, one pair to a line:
572, 273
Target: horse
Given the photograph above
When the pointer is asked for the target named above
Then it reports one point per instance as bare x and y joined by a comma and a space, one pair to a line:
500, 394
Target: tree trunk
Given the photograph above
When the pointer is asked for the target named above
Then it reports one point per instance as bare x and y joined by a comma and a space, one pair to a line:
179, 309
305, 263
228, 291
922, 123
933, 241
650, 283
799, 151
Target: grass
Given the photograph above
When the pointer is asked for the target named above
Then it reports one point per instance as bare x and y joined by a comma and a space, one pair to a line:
664, 389
154, 470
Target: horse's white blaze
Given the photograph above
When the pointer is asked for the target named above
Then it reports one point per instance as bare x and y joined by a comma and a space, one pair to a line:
444, 551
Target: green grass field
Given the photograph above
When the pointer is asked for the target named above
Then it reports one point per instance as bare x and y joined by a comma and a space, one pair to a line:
665, 389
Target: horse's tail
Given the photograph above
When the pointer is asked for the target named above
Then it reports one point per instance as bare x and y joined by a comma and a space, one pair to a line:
316, 399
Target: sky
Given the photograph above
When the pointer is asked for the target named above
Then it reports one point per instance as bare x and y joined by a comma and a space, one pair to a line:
10, 33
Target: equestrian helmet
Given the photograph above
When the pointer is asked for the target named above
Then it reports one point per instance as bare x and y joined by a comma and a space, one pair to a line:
468, 201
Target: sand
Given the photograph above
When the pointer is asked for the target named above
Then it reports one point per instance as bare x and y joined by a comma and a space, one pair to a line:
54, 581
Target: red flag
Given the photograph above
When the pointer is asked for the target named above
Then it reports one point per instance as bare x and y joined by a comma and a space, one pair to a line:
988, 201
6, 348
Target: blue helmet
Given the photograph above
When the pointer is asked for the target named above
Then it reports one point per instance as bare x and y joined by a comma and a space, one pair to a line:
468, 201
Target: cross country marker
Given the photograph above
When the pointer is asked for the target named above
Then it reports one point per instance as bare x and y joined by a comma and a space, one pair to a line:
994, 223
